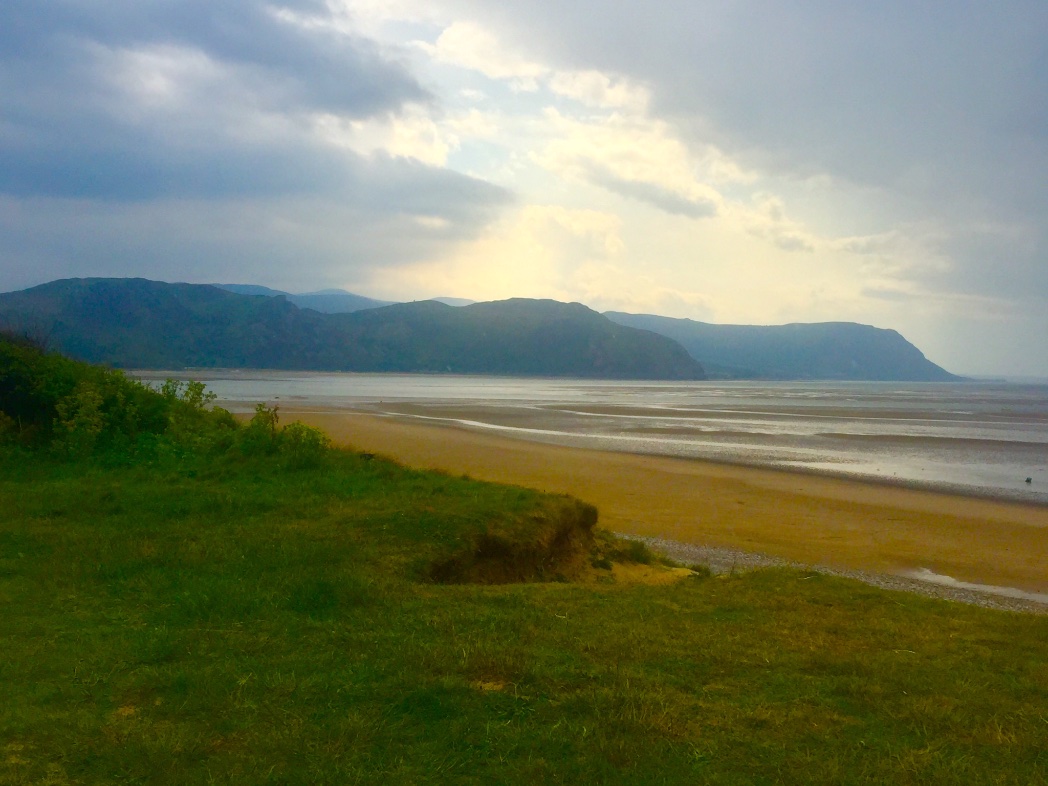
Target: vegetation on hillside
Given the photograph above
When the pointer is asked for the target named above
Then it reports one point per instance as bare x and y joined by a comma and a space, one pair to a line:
55, 408
820, 350
188, 600
135, 323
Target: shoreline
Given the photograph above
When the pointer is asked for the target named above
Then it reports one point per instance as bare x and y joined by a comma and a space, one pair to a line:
952, 490
801, 518
934, 487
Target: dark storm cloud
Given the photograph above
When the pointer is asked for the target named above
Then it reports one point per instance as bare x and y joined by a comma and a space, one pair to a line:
309, 66
123, 165
68, 129
176, 139
871, 90
131, 166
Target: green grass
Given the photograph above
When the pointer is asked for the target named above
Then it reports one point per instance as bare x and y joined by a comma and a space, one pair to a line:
231, 620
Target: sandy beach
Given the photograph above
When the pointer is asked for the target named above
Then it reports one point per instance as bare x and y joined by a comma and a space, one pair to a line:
797, 517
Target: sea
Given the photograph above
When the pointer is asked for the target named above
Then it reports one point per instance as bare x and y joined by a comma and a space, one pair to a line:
983, 439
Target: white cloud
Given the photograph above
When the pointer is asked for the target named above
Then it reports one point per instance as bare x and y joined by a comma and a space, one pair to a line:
597, 89
634, 157
767, 219
410, 134
475, 124
471, 46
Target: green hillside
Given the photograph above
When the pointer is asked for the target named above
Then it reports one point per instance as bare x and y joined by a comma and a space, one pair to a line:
519, 336
825, 350
135, 323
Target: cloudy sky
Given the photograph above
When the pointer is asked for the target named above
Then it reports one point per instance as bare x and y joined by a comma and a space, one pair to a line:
734, 161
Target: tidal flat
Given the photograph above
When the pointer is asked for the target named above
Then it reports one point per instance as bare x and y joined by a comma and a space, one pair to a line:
968, 438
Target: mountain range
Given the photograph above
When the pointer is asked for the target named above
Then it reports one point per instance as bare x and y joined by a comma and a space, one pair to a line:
821, 350
136, 323
326, 301
330, 301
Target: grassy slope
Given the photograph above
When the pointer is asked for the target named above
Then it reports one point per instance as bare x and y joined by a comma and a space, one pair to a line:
233, 621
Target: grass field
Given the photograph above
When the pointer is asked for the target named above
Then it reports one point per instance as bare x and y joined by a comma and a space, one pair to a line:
236, 620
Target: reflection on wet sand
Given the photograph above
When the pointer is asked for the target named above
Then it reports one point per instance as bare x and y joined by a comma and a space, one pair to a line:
964, 460
975, 439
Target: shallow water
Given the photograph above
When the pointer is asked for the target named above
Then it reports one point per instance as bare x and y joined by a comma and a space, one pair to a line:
973, 438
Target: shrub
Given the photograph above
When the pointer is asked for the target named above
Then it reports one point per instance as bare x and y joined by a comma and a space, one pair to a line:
303, 446
31, 384
8, 429
259, 437
190, 425
79, 420
193, 394
80, 410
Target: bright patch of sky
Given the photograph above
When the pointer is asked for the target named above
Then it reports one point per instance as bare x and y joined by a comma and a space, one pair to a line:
727, 162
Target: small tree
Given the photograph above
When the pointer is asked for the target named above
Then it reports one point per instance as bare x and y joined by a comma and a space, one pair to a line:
80, 420
303, 446
260, 435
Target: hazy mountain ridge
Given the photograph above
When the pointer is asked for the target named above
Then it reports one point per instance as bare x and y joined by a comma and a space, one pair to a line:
326, 301
136, 323
820, 350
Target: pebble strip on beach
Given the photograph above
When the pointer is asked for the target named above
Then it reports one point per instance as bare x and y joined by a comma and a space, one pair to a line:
725, 560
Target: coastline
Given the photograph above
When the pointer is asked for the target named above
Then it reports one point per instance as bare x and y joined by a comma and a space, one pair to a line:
800, 518
725, 459
938, 438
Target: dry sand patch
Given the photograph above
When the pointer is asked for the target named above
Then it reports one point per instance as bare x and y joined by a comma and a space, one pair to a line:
800, 517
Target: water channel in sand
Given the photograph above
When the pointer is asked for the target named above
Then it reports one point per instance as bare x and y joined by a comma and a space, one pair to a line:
971, 438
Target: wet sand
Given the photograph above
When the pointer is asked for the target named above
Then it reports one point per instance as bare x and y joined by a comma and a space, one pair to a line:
796, 517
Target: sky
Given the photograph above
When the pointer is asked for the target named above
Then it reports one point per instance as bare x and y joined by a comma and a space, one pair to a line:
729, 161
